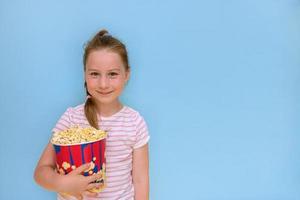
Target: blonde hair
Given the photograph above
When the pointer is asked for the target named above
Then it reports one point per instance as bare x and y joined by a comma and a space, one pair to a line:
102, 40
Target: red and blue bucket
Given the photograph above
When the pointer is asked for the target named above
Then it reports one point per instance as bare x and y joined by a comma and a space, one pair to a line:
71, 156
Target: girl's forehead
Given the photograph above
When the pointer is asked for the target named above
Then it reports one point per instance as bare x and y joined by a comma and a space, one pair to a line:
104, 60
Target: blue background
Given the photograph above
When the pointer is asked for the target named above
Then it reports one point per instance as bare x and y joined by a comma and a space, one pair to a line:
217, 81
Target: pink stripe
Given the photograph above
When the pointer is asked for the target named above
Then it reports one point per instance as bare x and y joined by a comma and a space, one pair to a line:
117, 179
117, 153
61, 126
107, 192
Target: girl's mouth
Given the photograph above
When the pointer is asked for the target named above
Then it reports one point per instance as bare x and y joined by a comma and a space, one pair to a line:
104, 93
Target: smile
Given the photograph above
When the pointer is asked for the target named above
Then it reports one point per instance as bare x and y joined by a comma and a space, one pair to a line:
104, 93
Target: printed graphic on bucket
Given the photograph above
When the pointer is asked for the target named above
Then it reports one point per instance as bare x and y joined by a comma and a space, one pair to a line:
77, 146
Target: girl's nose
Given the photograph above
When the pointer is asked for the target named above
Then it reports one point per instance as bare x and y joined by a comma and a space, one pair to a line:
103, 82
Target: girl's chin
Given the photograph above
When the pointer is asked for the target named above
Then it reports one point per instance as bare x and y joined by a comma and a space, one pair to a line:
106, 101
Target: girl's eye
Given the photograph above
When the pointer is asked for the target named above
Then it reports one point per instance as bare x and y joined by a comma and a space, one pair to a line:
94, 74
113, 74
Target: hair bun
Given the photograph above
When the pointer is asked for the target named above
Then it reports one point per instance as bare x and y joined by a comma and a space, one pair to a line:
103, 32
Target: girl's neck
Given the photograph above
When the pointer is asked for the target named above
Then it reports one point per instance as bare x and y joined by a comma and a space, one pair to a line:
107, 110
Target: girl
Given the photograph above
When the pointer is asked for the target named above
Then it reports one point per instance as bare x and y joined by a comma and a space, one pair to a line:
106, 71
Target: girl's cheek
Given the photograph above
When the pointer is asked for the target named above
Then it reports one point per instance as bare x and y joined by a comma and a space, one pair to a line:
92, 81
90, 84
118, 81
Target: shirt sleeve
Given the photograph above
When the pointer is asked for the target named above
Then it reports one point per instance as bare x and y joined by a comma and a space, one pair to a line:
142, 135
64, 122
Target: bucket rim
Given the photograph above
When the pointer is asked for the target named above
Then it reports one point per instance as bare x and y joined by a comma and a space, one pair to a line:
82, 143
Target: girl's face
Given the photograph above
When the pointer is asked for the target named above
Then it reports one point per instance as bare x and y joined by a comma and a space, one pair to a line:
105, 76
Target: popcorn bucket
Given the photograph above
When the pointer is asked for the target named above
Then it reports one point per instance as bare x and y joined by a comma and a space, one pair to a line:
71, 156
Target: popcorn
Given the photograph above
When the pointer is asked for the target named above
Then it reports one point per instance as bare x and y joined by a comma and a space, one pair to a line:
77, 146
77, 135
66, 165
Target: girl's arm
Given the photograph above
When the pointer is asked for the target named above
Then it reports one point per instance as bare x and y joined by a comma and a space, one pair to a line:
140, 173
74, 183
44, 173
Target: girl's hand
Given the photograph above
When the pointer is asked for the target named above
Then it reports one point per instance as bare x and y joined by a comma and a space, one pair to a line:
75, 184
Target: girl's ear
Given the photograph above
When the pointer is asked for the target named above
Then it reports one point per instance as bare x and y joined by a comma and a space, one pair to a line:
127, 76
84, 77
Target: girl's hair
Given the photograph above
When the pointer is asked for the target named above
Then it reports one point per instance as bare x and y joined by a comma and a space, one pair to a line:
102, 40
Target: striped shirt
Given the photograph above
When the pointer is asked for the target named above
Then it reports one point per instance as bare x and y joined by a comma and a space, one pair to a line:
127, 131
